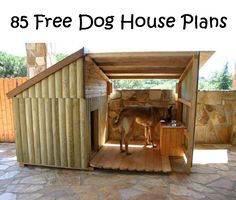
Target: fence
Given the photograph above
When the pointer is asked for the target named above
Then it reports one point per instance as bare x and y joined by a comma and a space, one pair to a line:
6, 114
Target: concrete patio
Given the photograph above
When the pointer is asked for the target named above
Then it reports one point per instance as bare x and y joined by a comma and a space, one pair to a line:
209, 181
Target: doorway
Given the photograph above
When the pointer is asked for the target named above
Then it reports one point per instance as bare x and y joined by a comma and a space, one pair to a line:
94, 131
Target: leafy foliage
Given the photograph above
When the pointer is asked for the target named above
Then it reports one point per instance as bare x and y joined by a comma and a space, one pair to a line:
220, 80
12, 66
60, 56
144, 84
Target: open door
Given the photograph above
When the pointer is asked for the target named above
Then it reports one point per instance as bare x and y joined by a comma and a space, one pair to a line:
94, 131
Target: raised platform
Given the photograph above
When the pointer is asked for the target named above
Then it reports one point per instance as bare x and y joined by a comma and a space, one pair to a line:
146, 159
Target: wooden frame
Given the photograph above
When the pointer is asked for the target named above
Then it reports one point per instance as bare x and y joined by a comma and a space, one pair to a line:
59, 102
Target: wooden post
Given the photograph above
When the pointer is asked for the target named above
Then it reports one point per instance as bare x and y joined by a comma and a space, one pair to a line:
179, 104
195, 71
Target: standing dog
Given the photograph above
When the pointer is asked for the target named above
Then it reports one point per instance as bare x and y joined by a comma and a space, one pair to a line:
147, 116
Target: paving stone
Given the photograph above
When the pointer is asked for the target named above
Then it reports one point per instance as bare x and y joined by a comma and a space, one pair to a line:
203, 169
216, 196
22, 188
228, 174
211, 181
222, 183
204, 178
7, 196
200, 188
3, 167
184, 191
32, 196
9, 175
35, 179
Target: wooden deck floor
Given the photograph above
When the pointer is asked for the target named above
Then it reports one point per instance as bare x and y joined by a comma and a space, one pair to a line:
141, 159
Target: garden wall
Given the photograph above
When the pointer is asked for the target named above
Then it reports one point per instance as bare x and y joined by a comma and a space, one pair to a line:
216, 113
119, 99
216, 117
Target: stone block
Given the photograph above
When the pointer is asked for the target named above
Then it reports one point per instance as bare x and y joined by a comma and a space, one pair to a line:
229, 95
155, 94
218, 115
142, 96
200, 134
209, 108
234, 119
30, 46
41, 49
131, 103
115, 94
166, 95
202, 116
210, 134
128, 94
223, 134
115, 104
30, 61
212, 98
201, 96
40, 61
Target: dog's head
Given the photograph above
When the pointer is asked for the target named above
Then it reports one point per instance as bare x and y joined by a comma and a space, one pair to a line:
168, 117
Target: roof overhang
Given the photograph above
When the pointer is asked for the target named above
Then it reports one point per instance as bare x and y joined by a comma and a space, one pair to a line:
127, 65
146, 65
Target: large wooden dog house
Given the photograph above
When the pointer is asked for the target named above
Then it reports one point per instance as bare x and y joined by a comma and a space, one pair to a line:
60, 115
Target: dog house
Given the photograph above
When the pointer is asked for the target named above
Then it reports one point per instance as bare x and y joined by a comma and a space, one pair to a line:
61, 114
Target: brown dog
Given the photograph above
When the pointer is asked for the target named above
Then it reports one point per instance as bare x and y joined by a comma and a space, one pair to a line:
147, 116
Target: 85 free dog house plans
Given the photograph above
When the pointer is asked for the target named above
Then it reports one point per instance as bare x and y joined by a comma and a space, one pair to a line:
53, 110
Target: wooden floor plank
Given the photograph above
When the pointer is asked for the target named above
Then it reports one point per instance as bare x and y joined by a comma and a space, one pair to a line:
124, 165
165, 164
141, 159
113, 152
157, 162
141, 164
97, 157
133, 159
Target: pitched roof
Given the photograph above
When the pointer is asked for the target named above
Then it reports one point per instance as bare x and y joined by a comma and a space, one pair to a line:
73, 57
128, 65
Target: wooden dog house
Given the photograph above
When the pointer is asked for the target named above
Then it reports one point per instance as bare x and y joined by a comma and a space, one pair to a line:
60, 115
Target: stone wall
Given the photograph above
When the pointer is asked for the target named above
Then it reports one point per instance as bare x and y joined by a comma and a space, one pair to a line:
120, 99
215, 120
216, 117
40, 56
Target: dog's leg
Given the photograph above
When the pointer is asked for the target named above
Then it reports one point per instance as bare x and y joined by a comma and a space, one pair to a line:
122, 141
127, 139
146, 136
151, 133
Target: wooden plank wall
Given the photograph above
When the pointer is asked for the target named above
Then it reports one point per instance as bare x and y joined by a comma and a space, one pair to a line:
95, 84
7, 133
51, 129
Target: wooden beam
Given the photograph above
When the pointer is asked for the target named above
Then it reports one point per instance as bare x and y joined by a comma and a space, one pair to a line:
187, 68
144, 74
144, 77
141, 54
73, 57
90, 61
143, 62
185, 102
143, 70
